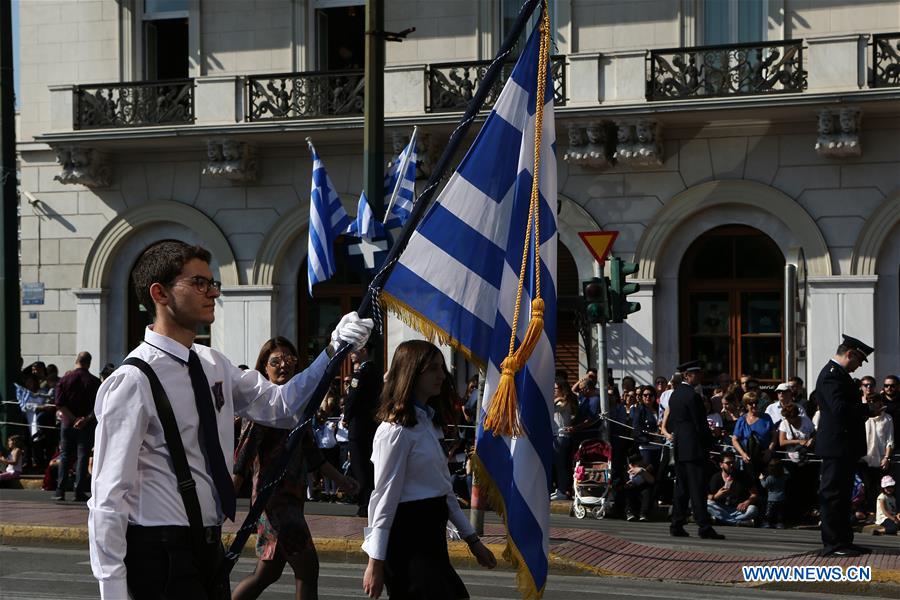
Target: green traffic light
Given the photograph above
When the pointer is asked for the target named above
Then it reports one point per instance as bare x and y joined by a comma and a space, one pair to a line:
620, 289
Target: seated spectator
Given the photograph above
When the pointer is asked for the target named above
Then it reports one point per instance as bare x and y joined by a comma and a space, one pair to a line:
645, 422
752, 437
731, 410
775, 484
638, 489
661, 384
629, 400
785, 398
15, 460
713, 419
867, 386
879, 446
796, 385
564, 408
628, 385
796, 435
732, 494
886, 516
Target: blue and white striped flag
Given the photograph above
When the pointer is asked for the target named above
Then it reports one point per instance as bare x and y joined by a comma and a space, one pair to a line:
365, 226
400, 185
327, 220
457, 279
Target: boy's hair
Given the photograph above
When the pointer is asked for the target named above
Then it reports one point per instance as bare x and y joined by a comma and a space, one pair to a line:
18, 441
775, 468
634, 459
162, 263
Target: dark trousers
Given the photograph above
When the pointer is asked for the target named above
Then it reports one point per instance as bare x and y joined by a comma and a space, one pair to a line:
161, 564
562, 463
363, 469
639, 498
74, 442
835, 489
690, 484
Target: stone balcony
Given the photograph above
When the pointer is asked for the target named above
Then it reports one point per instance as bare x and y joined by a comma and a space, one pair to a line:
773, 75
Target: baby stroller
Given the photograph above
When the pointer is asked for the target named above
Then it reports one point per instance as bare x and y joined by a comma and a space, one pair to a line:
592, 479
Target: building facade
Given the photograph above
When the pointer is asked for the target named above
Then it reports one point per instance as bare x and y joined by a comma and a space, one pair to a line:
746, 152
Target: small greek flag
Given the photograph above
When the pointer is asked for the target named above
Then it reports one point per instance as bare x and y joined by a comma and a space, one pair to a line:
457, 281
365, 226
327, 220
400, 186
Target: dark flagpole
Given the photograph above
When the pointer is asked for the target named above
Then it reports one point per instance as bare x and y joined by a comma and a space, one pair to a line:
275, 472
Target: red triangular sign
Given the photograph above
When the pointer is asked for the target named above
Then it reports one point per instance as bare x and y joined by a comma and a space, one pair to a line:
599, 242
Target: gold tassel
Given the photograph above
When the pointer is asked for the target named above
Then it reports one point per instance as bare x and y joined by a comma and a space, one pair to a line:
503, 414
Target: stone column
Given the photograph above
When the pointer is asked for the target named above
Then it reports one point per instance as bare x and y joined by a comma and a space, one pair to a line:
90, 323
244, 321
842, 304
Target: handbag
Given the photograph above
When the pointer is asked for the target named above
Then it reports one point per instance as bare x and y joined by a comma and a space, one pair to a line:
218, 586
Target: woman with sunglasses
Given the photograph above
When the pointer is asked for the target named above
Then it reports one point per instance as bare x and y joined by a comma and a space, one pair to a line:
413, 499
282, 534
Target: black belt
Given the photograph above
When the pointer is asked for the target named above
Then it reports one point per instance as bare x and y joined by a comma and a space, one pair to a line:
171, 533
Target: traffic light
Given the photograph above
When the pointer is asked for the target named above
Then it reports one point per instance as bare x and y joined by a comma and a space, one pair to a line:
596, 299
619, 290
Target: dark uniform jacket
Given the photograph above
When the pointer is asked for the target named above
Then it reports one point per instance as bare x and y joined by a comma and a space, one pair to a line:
842, 423
362, 401
687, 422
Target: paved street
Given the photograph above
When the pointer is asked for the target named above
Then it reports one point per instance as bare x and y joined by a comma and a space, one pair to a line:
48, 573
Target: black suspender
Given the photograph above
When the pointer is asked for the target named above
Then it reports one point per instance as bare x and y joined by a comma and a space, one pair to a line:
186, 485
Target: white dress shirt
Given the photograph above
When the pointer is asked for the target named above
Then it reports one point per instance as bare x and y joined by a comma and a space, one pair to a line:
410, 464
879, 435
133, 480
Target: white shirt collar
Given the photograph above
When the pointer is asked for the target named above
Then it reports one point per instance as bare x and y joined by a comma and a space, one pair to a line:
167, 345
427, 412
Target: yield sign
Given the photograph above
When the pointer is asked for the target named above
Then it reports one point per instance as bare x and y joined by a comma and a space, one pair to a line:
599, 242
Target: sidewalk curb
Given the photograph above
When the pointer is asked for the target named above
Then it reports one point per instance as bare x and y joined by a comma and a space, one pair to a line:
341, 550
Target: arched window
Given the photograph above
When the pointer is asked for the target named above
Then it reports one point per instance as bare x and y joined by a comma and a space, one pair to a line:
731, 303
567, 312
317, 316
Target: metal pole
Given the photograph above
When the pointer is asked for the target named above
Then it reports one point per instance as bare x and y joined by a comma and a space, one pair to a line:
602, 377
790, 321
373, 108
9, 277
476, 506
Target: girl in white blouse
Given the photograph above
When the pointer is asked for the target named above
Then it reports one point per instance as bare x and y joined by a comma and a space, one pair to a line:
406, 539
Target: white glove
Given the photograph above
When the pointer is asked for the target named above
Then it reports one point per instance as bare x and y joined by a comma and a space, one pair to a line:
353, 330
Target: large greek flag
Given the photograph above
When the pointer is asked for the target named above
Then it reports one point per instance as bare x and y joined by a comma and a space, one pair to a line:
400, 185
327, 220
457, 281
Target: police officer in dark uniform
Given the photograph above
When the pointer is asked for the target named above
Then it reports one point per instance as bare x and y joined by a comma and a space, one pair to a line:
840, 442
686, 421
360, 407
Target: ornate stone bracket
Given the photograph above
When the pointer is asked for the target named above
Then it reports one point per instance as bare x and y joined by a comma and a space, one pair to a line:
230, 159
83, 165
839, 132
639, 143
589, 145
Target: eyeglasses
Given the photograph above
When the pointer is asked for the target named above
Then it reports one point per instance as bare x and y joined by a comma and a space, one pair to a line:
203, 285
727, 463
646, 395
869, 385
890, 385
288, 361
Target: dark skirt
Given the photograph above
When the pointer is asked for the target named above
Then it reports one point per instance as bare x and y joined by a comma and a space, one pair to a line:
418, 565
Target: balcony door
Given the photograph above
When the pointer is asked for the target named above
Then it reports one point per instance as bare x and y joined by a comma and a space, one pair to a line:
166, 44
732, 21
731, 281
340, 35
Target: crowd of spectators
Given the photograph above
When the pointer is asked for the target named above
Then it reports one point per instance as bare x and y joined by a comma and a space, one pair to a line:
763, 469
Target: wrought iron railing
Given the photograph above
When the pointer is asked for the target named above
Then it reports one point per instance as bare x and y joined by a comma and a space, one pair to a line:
134, 104
727, 70
450, 86
886, 60
305, 95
